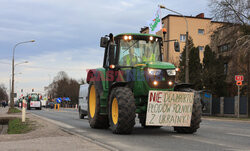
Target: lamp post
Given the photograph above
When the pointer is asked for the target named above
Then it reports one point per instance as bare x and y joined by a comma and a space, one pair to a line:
187, 51
13, 70
10, 84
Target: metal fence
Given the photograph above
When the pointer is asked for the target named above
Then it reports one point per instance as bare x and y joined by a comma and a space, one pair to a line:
228, 105
243, 105
216, 106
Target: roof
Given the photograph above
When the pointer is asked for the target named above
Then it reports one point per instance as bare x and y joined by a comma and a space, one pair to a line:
221, 22
195, 17
137, 34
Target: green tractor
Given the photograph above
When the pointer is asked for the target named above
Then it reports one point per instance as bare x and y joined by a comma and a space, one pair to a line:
132, 68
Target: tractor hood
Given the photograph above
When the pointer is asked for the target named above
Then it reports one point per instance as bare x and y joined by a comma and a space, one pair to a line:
160, 65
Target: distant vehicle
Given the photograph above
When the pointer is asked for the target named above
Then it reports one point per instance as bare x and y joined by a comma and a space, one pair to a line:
43, 101
50, 105
34, 101
83, 106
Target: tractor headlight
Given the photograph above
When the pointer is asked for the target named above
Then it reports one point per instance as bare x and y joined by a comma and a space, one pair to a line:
154, 71
171, 72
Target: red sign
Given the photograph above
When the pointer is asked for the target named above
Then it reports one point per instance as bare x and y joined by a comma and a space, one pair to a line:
239, 78
239, 83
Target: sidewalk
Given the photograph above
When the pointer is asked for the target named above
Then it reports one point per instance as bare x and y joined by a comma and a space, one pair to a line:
232, 119
46, 136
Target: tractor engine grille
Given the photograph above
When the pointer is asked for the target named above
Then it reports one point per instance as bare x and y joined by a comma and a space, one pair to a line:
161, 81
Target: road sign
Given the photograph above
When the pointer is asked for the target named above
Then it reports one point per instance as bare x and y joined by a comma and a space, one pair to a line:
239, 78
239, 83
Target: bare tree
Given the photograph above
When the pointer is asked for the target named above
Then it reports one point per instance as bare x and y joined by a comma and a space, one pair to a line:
63, 86
237, 13
233, 11
3, 93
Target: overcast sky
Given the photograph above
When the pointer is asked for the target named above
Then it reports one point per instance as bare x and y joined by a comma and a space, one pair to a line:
67, 34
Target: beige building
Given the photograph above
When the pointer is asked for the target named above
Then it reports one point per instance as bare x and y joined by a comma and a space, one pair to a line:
199, 28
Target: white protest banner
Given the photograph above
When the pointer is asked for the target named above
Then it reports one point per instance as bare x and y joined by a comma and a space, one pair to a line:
169, 108
155, 23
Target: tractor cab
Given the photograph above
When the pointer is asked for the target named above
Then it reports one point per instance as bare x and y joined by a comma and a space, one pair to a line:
129, 49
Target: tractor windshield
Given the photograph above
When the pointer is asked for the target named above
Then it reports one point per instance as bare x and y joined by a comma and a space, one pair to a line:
138, 51
34, 97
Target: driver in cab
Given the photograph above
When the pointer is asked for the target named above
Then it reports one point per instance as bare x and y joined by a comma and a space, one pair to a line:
130, 59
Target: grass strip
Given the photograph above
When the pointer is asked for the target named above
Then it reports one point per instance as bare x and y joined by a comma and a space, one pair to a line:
13, 110
16, 126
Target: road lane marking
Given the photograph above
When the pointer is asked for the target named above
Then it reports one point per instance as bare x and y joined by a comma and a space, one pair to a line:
212, 143
53, 110
238, 134
80, 130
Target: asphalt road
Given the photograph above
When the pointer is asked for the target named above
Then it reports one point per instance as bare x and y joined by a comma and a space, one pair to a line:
213, 135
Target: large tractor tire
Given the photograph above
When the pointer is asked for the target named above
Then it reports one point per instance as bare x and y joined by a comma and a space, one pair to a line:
122, 110
196, 114
142, 120
95, 119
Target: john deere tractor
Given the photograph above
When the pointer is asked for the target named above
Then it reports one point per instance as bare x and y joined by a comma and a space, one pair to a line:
133, 67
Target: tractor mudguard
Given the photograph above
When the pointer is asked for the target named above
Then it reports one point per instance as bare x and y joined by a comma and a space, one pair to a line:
179, 86
119, 84
98, 82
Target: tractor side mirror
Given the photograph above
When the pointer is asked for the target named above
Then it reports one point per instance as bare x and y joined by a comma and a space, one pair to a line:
103, 42
111, 53
176, 46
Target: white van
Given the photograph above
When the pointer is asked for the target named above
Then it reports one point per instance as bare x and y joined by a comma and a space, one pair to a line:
83, 98
43, 101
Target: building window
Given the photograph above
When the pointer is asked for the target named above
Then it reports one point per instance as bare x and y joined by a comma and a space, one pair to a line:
201, 31
182, 37
201, 48
224, 48
225, 68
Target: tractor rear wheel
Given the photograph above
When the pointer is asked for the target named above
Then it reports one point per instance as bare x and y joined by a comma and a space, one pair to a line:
122, 110
196, 114
95, 119
142, 120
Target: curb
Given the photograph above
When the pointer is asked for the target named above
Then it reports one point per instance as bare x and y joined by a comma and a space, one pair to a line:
91, 140
224, 119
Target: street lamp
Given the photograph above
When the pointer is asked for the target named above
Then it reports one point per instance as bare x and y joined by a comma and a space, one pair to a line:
10, 83
13, 69
187, 51
21, 63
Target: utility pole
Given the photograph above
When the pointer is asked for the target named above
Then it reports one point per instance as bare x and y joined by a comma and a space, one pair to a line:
238, 101
10, 90
187, 50
13, 72
187, 59
248, 83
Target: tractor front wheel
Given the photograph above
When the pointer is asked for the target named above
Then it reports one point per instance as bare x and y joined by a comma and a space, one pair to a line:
122, 110
196, 114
